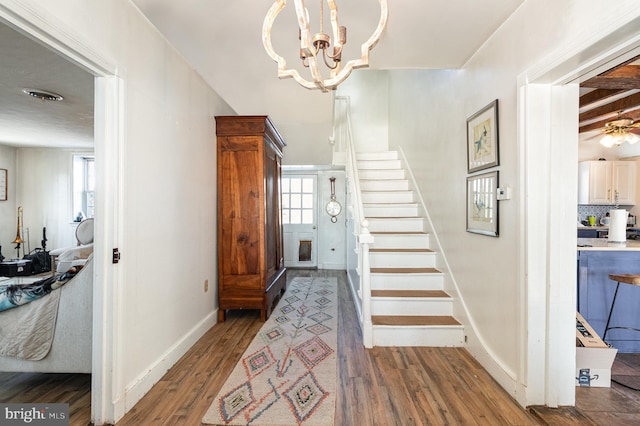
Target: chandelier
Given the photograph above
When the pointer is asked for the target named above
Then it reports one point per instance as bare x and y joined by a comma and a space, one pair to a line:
618, 132
316, 51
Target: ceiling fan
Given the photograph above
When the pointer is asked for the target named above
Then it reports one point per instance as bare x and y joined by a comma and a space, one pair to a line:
619, 131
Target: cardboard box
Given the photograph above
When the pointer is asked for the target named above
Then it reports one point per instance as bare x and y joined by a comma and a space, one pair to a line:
594, 357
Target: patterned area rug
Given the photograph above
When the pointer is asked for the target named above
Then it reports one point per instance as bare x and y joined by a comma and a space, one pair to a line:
288, 374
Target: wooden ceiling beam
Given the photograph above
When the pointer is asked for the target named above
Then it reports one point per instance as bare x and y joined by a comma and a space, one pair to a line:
598, 95
634, 115
623, 104
626, 77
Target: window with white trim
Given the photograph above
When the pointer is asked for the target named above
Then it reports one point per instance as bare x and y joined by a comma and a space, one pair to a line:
84, 182
297, 200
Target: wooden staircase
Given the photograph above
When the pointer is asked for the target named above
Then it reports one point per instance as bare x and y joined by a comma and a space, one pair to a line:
408, 304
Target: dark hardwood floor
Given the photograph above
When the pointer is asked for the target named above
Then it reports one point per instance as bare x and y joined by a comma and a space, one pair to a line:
380, 386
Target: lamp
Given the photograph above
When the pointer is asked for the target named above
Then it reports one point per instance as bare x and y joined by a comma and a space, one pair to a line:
315, 50
618, 132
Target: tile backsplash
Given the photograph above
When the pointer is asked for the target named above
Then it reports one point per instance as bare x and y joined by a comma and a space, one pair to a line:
598, 211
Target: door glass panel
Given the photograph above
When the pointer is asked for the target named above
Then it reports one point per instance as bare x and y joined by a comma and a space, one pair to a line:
298, 200
296, 185
307, 185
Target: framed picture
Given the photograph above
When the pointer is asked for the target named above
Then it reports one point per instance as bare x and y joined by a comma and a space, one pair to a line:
3, 184
482, 204
482, 138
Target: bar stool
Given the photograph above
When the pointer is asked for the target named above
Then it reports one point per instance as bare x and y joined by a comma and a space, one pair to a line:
633, 279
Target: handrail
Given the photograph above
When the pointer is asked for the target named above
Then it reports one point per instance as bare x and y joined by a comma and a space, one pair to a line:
361, 233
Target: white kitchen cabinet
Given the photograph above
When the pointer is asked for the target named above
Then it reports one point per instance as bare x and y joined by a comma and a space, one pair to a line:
600, 182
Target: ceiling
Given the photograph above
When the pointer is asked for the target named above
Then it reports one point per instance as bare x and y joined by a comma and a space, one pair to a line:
609, 95
29, 121
223, 42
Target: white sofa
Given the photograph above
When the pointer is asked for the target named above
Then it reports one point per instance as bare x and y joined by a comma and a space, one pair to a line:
72, 345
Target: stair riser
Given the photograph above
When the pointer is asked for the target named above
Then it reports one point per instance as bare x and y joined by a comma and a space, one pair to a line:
411, 306
387, 197
384, 155
384, 185
402, 260
381, 174
409, 241
379, 165
407, 281
391, 211
440, 336
396, 225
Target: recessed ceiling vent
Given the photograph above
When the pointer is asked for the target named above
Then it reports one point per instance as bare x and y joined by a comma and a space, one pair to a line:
42, 94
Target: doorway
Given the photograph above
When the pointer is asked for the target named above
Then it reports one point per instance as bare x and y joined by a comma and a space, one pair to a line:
548, 152
108, 139
300, 220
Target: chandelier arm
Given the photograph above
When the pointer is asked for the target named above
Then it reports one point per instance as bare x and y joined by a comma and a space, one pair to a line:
363, 61
335, 65
303, 22
306, 45
335, 28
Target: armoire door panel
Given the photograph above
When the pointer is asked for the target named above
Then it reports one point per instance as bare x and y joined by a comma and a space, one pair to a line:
242, 195
242, 250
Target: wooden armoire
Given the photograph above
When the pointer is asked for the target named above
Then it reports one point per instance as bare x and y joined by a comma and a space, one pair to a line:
251, 272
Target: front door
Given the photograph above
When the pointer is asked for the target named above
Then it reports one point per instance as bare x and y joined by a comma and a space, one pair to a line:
299, 217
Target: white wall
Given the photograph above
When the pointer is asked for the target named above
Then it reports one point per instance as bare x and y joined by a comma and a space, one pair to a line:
44, 190
427, 117
313, 149
8, 209
169, 201
332, 236
369, 97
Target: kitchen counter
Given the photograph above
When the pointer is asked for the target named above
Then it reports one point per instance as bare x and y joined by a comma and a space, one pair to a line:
603, 244
596, 290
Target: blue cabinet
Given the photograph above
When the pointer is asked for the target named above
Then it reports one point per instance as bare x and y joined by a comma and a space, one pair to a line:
596, 290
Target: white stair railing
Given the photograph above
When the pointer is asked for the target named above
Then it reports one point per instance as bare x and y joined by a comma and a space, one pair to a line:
344, 153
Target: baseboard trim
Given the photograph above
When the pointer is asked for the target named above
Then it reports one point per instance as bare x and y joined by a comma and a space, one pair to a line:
138, 387
356, 299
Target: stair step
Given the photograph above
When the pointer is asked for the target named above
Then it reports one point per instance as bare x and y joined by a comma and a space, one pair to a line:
400, 240
417, 320
387, 196
408, 293
390, 209
379, 165
402, 258
381, 155
374, 174
410, 302
415, 330
384, 185
396, 224
401, 250
406, 279
405, 271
